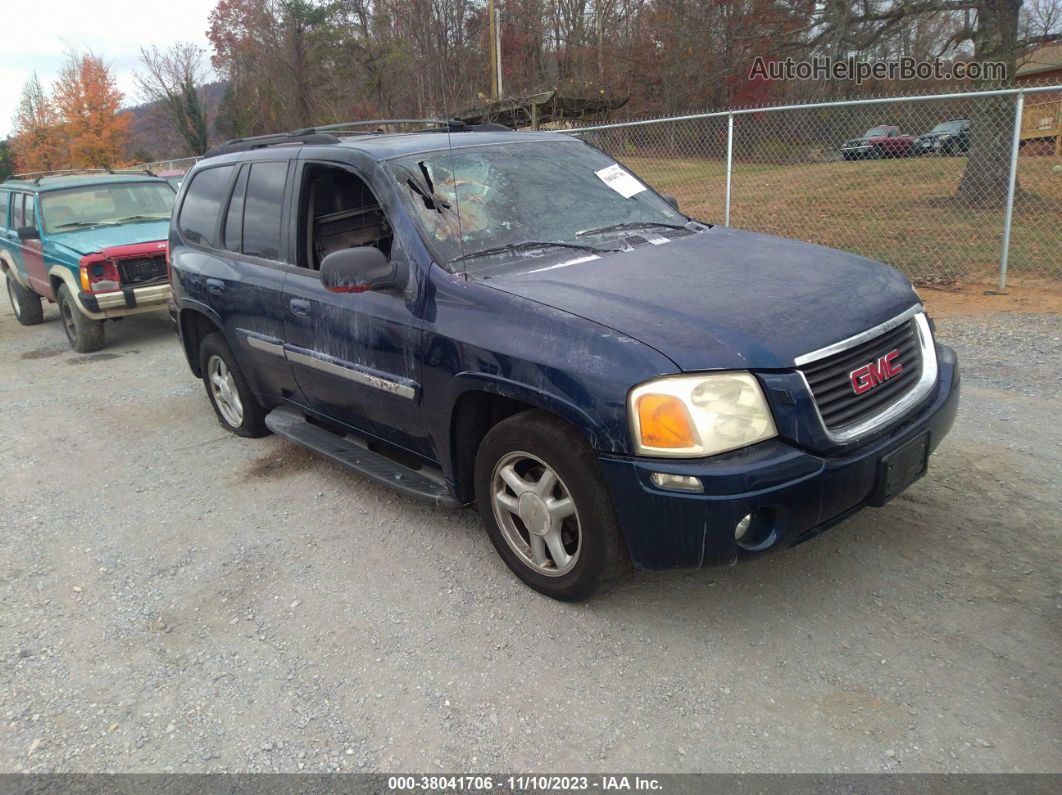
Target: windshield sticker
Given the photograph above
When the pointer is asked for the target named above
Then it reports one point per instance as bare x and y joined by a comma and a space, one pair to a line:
620, 181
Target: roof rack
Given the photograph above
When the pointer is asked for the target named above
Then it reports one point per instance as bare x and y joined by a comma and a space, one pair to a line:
307, 136
329, 133
37, 176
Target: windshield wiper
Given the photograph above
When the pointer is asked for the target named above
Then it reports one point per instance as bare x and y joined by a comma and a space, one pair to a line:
83, 224
629, 225
129, 218
534, 244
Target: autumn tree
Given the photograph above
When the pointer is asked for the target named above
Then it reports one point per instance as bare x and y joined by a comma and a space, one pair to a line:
37, 139
88, 103
171, 80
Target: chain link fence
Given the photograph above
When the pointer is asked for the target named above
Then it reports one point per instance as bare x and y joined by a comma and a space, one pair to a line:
948, 188
170, 168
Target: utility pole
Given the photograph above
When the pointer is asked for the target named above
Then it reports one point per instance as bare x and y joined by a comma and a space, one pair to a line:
495, 72
498, 50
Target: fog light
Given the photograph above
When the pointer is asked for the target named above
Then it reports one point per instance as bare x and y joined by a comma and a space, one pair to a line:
666, 480
742, 527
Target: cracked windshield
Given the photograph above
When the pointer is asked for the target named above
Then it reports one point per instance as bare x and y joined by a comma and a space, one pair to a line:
128, 203
487, 205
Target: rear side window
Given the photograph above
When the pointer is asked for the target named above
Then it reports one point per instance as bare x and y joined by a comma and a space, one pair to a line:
5, 202
262, 208
233, 233
202, 205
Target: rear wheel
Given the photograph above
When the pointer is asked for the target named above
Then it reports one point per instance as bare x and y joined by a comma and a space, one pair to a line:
234, 403
25, 303
84, 334
547, 509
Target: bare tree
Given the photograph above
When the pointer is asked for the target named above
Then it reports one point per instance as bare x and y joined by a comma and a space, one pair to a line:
173, 78
991, 27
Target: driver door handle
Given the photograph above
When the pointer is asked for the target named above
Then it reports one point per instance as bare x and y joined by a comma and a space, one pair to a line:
299, 306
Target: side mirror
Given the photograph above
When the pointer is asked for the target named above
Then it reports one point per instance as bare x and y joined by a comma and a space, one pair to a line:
670, 199
28, 233
360, 269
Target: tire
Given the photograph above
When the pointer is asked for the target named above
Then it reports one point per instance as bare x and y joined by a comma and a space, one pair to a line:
589, 535
25, 303
845, 156
224, 381
84, 334
877, 153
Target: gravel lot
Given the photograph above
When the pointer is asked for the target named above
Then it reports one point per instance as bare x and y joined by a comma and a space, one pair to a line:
176, 599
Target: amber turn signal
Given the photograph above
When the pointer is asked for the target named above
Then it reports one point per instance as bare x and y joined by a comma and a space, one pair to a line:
664, 422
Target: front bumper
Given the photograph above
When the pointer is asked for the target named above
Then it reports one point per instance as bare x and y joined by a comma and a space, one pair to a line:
127, 301
803, 493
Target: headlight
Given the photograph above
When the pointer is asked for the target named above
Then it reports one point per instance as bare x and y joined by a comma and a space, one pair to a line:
688, 416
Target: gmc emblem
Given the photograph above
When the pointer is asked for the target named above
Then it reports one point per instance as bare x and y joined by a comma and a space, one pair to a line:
870, 375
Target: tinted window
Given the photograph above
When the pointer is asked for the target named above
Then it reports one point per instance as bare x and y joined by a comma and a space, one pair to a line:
233, 232
202, 204
5, 201
262, 209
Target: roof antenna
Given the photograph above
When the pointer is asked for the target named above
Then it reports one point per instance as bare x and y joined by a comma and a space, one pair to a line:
453, 169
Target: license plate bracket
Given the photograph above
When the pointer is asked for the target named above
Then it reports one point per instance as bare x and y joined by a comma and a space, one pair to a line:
900, 468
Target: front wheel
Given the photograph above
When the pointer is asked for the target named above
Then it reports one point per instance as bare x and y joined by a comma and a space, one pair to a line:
25, 303
234, 403
84, 334
547, 509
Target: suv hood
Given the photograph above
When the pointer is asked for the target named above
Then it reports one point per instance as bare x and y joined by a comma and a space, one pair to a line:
89, 241
724, 298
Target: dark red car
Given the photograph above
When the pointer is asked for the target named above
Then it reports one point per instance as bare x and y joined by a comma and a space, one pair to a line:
877, 142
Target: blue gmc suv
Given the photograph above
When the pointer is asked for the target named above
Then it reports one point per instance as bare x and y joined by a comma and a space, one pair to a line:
476, 315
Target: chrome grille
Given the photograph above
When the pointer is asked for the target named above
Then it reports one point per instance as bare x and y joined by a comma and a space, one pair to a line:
830, 378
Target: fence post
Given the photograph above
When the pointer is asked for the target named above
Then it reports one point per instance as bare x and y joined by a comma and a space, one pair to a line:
1015, 146
729, 164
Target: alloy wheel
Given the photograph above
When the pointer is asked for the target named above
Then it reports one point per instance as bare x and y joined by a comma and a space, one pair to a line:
536, 513
226, 393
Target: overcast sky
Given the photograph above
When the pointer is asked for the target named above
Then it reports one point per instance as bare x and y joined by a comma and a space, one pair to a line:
37, 36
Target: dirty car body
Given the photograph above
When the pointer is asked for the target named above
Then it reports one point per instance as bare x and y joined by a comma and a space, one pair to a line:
102, 237
808, 379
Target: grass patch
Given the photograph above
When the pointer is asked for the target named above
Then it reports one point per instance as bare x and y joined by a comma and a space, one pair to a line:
897, 211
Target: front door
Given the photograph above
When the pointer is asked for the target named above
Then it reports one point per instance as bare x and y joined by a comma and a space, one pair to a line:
32, 252
355, 355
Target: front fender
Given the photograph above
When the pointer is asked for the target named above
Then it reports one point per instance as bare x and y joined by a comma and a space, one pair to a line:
598, 435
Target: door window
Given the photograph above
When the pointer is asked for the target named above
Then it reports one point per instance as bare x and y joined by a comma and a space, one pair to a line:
5, 203
337, 210
29, 210
202, 204
262, 209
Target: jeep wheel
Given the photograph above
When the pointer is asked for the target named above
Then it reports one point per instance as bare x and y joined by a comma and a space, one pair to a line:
235, 404
547, 509
25, 303
84, 333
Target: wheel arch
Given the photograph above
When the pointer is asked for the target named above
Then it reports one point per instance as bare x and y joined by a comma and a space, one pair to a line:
193, 324
480, 402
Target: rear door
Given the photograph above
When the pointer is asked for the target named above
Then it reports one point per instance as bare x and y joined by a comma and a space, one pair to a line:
238, 278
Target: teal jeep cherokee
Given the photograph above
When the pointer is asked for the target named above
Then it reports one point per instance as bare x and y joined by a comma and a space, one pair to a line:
94, 243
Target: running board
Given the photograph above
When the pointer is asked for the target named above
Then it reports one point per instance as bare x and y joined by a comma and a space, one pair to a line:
292, 425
